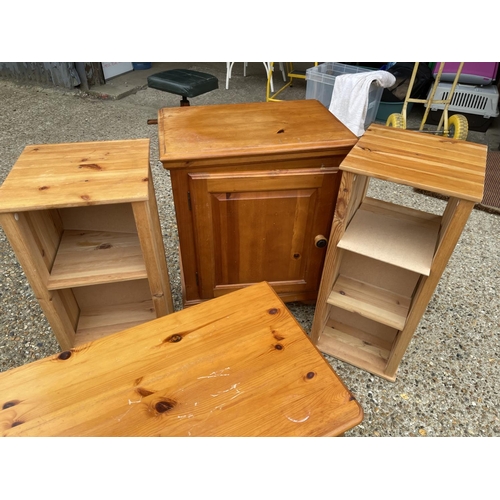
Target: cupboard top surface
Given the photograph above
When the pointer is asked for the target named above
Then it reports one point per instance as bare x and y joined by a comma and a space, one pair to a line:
240, 130
187, 374
433, 163
77, 174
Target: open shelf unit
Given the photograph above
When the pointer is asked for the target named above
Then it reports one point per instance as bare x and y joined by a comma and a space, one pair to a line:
384, 260
86, 231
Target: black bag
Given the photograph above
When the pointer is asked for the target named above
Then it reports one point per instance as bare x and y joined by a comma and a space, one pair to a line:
402, 72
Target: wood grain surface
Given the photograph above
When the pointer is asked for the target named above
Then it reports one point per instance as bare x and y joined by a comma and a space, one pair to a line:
439, 164
200, 134
77, 174
238, 365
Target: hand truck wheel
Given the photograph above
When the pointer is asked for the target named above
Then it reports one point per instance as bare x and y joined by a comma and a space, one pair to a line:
458, 127
395, 120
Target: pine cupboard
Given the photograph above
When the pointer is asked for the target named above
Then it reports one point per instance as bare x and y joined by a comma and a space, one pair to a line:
254, 188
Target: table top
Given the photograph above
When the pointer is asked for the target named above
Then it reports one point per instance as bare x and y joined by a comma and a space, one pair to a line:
77, 174
263, 129
237, 365
434, 163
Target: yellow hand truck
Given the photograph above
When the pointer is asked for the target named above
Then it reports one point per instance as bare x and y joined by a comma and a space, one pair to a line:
455, 126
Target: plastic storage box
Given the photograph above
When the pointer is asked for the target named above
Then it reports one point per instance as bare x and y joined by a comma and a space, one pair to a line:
473, 73
477, 103
321, 79
477, 100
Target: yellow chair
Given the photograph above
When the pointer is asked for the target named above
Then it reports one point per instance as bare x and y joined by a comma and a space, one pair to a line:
292, 74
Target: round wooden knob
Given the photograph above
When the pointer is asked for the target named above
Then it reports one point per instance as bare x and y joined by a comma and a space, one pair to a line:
320, 241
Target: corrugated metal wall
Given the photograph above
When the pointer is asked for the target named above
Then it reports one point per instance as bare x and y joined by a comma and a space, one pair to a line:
59, 74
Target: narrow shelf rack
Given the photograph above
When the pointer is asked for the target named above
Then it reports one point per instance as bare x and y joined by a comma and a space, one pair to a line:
385, 260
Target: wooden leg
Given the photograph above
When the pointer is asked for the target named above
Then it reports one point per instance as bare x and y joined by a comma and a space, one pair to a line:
184, 101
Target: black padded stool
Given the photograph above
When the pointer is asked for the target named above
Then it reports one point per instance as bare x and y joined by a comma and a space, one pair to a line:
183, 82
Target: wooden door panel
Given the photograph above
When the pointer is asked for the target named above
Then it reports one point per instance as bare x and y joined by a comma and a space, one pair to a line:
260, 226
273, 253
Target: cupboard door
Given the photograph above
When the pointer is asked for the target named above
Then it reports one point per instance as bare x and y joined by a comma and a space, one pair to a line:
261, 226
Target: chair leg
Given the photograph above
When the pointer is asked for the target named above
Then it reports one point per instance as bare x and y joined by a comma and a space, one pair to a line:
185, 101
269, 73
282, 68
229, 69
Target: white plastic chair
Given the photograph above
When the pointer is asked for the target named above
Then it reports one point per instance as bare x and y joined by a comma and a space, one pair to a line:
267, 66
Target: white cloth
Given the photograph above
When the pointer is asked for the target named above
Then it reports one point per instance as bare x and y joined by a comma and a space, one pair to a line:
350, 97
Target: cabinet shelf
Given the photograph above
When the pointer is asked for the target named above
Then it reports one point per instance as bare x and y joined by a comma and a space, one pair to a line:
97, 323
372, 302
93, 257
397, 235
349, 344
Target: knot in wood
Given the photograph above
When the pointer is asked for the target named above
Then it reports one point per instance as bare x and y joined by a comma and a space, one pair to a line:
164, 405
64, 355
92, 166
174, 338
103, 246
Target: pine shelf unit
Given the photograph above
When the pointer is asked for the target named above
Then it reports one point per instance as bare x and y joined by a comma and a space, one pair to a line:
384, 260
83, 222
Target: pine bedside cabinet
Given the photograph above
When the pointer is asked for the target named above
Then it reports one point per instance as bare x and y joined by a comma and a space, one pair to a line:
83, 222
385, 260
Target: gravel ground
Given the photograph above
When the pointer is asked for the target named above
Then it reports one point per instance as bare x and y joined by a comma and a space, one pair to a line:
448, 381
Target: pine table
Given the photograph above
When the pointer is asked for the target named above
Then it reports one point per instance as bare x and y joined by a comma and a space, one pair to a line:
237, 365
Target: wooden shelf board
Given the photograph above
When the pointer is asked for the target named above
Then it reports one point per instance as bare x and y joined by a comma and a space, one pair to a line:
370, 302
92, 257
98, 323
353, 350
396, 235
